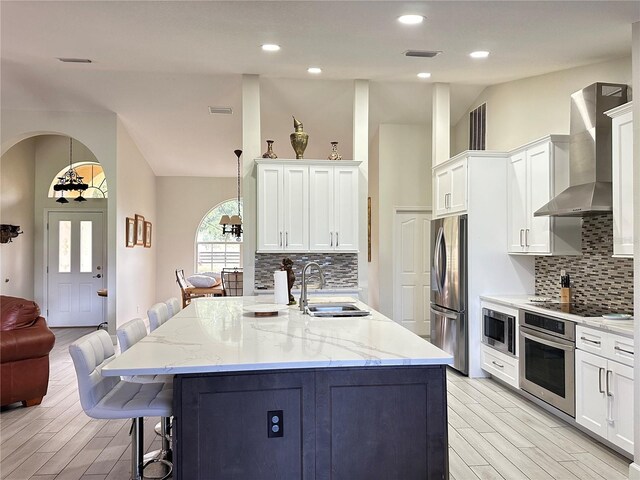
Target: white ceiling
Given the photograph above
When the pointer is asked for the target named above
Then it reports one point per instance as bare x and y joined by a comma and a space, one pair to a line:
160, 64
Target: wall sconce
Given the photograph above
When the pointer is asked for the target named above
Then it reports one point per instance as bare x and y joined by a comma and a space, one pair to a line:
7, 232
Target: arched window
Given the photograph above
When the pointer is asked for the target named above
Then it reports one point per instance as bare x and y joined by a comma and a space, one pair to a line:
215, 251
91, 173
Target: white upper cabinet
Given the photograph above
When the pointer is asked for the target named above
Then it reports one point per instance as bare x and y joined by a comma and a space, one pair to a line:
333, 209
450, 187
283, 207
622, 179
535, 173
307, 205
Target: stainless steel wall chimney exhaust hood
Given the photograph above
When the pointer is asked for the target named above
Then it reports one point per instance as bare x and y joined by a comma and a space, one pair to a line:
589, 191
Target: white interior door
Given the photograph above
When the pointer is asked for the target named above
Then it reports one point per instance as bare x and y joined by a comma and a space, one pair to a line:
75, 269
411, 275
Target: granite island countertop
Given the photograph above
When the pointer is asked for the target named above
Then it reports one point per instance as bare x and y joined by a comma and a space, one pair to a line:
622, 327
218, 335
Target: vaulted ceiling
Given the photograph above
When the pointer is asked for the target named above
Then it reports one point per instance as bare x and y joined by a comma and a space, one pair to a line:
159, 65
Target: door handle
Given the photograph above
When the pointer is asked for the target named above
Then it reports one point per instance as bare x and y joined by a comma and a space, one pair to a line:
280, 238
97, 276
286, 239
450, 316
600, 371
521, 232
331, 233
609, 394
526, 238
622, 350
337, 242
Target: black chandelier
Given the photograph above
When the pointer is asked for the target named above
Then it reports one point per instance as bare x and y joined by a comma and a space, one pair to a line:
233, 224
70, 181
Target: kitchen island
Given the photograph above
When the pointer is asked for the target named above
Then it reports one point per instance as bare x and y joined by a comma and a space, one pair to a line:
293, 396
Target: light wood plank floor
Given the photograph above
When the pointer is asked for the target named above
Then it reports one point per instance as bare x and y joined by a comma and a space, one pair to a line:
493, 434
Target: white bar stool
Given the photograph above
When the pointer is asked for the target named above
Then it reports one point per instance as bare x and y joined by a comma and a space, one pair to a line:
173, 304
112, 398
158, 314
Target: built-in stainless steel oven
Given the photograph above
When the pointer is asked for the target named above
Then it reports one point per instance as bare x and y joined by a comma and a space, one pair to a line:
547, 359
499, 331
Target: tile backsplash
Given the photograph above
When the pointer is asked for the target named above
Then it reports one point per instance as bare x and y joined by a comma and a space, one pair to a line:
340, 269
596, 277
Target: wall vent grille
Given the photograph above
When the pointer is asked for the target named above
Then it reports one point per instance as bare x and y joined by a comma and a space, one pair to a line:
478, 128
220, 110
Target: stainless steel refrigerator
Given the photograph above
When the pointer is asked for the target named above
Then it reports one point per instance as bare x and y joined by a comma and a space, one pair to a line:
449, 325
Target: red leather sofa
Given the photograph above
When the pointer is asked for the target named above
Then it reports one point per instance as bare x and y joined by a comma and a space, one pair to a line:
25, 343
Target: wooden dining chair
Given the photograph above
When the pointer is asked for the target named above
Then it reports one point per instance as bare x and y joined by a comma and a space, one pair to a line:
187, 295
232, 285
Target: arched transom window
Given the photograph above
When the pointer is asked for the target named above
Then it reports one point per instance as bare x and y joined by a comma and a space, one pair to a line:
215, 251
91, 173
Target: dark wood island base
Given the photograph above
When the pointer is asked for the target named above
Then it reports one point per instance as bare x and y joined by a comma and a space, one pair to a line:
360, 423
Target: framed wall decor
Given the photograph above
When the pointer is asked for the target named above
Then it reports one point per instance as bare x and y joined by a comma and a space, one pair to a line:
130, 229
139, 230
147, 234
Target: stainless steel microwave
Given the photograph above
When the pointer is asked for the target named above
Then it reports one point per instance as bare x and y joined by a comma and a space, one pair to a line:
499, 331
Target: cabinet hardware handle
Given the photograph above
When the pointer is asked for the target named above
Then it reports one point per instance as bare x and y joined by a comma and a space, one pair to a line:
446, 200
280, 238
497, 364
331, 238
600, 372
521, 232
609, 394
622, 350
286, 239
337, 242
449, 202
595, 342
526, 238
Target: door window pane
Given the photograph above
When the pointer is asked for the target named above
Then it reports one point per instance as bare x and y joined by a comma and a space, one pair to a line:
64, 246
86, 246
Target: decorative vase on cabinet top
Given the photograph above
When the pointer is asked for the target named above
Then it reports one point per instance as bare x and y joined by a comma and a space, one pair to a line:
269, 153
334, 155
299, 139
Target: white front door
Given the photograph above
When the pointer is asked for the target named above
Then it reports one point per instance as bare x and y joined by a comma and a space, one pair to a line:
411, 271
75, 269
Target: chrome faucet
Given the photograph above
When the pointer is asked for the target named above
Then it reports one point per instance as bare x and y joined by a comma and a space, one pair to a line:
303, 289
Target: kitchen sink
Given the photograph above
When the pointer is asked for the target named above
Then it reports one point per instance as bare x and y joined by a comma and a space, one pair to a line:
336, 310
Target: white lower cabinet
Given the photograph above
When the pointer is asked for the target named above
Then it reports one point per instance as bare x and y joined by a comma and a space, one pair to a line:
500, 365
604, 393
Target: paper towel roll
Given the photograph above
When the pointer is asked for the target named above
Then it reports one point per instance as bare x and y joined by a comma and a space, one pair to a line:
280, 288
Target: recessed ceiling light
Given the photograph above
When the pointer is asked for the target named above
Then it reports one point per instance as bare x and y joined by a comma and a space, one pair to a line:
270, 47
411, 19
74, 60
424, 75
314, 70
479, 54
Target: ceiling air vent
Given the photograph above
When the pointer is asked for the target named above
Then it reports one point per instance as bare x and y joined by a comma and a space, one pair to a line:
422, 53
220, 110
74, 60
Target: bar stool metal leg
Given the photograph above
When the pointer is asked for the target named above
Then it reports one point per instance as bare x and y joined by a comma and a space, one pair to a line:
137, 447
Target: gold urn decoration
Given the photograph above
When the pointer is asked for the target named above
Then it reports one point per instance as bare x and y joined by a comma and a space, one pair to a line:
299, 139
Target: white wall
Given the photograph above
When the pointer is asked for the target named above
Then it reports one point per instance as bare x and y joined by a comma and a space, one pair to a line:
135, 267
325, 107
95, 130
404, 179
181, 204
523, 110
17, 171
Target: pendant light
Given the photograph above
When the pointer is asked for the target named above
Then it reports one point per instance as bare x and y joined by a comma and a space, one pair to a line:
233, 224
70, 181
